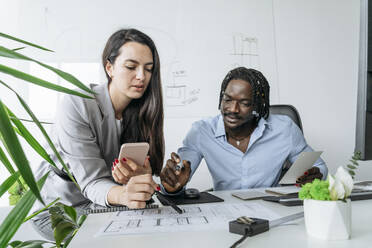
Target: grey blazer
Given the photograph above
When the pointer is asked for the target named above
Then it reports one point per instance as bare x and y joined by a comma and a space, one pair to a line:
85, 133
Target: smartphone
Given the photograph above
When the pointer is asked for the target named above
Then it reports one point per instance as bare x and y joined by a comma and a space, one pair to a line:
135, 151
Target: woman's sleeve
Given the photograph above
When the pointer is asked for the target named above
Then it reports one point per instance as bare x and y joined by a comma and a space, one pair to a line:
77, 140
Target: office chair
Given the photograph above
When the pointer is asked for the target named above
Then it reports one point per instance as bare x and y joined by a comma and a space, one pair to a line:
288, 110
291, 112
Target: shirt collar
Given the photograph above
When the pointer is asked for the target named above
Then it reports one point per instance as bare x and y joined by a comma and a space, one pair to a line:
220, 128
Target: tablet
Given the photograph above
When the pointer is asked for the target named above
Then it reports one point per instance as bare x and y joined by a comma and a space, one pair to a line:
303, 162
249, 194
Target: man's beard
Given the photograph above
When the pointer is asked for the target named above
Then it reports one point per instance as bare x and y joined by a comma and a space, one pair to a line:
248, 120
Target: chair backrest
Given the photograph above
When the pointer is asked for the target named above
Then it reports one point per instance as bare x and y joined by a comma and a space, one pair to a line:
291, 112
288, 110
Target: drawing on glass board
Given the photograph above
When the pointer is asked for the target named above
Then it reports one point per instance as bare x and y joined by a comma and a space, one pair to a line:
177, 91
245, 51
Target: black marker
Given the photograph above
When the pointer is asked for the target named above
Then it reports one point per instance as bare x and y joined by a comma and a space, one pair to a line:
162, 198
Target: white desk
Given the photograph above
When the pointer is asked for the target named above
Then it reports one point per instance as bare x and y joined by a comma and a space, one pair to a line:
283, 236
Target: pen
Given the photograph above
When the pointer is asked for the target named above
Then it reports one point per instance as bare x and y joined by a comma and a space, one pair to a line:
179, 166
162, 198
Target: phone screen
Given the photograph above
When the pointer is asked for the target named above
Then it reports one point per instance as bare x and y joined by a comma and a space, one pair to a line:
135, 151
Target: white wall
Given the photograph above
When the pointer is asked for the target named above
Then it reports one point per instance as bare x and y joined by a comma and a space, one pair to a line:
315, 53
317, 46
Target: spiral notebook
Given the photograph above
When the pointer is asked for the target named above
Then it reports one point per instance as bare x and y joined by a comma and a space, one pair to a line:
115, 209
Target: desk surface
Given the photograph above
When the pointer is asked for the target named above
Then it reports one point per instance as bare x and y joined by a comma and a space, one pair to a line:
282, 236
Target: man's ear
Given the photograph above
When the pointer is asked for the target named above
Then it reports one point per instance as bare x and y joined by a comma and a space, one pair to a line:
109, 68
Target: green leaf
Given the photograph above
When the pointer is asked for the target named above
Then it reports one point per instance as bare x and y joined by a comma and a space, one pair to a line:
16, 151
6, 162
351, 167
29, 138
68, 240
62, 230
38, 81
30, 243
15, 218
5, 52
354, 162
8, 183
18, 48
81, 220
37, 122
352, 172
71, 212
26, 120
15, 243
42, 210
23, 41
357, 155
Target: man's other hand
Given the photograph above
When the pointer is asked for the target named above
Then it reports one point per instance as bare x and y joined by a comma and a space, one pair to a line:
309, 176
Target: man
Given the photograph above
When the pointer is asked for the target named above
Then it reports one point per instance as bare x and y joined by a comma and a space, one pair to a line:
244, 146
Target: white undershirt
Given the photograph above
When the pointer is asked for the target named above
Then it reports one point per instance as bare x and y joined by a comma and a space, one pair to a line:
118, 127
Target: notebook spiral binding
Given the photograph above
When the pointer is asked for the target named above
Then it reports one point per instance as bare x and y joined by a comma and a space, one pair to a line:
115, 209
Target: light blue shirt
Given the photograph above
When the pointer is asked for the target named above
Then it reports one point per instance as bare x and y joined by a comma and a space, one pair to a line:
272, 142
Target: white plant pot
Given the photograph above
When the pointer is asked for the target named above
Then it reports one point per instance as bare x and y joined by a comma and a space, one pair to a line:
328, 220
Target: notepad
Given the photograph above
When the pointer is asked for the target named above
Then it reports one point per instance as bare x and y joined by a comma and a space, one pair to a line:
115, 209
303, 162
285, 190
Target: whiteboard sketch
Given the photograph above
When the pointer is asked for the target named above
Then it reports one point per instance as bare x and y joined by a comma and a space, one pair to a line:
177, 91
197, 47
245, 51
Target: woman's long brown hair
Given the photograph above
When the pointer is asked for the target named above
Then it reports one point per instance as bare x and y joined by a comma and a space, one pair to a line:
143, 118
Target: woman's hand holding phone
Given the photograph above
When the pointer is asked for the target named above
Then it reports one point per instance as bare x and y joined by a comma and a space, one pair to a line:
133, 161
125, 169
135, 193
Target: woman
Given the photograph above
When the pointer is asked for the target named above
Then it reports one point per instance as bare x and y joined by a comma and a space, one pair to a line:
88, 132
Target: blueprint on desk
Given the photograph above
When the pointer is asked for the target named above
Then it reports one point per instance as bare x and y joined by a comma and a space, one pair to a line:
193, 218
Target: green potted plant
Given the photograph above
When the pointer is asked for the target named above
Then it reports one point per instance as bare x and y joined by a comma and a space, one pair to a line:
12, 156
327, 206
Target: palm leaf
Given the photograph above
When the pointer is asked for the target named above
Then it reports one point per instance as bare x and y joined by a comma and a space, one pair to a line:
24, 42
4, 159
22, 131
16, 152
39, 81
5, 52
36, 121
26, 120
15, 218
8, 183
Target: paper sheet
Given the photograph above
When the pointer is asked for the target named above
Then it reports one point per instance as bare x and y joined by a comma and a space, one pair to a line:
194, 218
